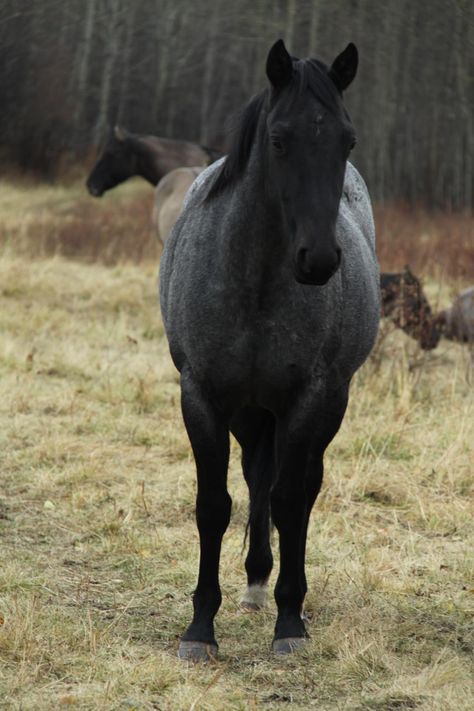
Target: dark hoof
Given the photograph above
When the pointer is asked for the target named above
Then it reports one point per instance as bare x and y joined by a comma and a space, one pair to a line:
191, 651
288, 645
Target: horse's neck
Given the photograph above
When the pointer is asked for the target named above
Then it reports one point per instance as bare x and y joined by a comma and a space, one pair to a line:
148, 164
263, 204
253, 231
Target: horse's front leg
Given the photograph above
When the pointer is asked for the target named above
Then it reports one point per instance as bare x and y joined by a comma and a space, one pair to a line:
300, 452
209, 438
288, 506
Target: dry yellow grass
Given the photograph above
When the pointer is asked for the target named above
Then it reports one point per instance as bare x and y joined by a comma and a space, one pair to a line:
99, 546
38, 220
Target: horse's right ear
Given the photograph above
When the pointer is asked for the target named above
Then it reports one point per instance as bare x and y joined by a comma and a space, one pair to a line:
120, 133
279, 65
344, 67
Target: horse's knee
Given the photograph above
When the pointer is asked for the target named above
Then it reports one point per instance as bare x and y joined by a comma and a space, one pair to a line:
213, 510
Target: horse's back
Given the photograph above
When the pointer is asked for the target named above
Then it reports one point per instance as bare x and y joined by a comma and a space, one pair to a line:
173, 154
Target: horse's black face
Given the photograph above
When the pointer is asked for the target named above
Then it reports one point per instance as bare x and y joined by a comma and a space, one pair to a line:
309, 140
115, 165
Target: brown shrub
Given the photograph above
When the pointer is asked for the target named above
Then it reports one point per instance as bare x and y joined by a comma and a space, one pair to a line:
38, 220
438, 244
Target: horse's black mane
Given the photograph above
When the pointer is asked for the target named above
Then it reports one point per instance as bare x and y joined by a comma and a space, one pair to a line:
308, 74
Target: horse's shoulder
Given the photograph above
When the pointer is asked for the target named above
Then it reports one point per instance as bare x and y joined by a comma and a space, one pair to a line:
355, 189
355, 203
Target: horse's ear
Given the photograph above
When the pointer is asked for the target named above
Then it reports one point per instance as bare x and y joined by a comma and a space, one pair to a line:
344, 67
120, 133
279, 65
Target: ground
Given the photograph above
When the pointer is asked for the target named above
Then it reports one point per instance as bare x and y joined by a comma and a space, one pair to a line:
99, 547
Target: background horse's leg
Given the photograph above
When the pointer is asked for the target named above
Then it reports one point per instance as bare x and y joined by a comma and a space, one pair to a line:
209, 438
255, 432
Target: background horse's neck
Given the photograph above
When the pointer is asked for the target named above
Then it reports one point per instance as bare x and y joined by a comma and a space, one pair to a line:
147, 159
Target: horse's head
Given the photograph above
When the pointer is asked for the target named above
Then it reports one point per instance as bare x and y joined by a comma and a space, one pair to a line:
309, 138
405, 303
115, 164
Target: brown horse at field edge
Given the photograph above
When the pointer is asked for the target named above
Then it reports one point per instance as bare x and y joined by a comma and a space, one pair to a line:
127, 154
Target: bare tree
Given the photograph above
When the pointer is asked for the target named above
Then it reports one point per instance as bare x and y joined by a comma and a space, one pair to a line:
170, 67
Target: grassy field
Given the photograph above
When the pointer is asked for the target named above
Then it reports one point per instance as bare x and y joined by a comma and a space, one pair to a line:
98, 541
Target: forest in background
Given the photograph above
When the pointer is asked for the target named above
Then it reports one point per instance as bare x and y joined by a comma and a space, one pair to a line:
69, 70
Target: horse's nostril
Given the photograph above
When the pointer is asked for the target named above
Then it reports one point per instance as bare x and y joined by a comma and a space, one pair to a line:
317, 266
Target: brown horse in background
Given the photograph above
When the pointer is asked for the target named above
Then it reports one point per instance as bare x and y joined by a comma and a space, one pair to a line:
128, 154
169, 197
457, 322
405, 304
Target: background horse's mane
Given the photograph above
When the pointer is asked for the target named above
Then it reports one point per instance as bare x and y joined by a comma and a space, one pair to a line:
308, 74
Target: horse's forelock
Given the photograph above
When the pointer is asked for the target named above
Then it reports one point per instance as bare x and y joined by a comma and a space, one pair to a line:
314, 77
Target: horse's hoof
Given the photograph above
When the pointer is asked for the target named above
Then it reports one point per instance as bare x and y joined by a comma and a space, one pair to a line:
190, 651
288, 645
255, 598
247, 606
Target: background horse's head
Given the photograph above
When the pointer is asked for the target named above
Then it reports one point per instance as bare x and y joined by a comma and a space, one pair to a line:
115, 164
309, 138
404, 302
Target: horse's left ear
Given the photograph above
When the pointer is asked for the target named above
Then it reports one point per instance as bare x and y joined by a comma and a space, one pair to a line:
279, 65
344, 67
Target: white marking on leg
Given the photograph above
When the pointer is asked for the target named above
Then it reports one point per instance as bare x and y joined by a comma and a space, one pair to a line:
255, 596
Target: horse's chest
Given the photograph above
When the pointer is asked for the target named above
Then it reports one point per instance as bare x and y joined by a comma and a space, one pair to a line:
264, 362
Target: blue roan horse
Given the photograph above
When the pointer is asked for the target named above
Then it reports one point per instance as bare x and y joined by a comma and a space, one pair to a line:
270, 299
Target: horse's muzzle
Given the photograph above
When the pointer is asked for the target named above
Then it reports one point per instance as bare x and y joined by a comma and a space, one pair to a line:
429, 338
94, 190
316, 269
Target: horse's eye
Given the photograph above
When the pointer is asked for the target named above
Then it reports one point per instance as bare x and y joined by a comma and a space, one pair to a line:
353, 143
278, 145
